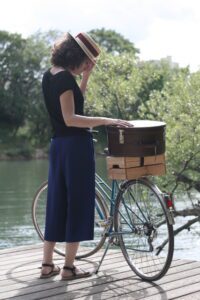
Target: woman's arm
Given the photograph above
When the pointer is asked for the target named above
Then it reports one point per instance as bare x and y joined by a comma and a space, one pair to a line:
71, 119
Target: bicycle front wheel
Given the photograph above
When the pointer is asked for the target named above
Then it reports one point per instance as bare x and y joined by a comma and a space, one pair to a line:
146, 238
86, 248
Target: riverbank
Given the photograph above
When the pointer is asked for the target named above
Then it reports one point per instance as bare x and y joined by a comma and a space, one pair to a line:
21, 154
38, 153
24, 150
19, 148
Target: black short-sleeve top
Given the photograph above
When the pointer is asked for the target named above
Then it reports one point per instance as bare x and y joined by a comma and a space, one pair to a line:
53, 87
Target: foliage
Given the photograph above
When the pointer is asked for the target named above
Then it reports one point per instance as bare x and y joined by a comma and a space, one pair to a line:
13, 82
154, 75
22, 64
177, 105
113, 42
113, 87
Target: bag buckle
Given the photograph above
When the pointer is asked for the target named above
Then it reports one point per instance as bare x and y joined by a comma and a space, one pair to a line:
121, 136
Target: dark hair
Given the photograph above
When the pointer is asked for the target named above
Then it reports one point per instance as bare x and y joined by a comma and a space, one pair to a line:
67, 53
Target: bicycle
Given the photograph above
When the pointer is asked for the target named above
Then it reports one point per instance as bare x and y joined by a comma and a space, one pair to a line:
134, 215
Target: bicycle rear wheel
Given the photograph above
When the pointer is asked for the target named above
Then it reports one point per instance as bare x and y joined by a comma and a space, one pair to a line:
146, 239
86, 248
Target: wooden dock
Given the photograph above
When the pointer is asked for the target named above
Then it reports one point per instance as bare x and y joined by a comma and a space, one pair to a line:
19, 279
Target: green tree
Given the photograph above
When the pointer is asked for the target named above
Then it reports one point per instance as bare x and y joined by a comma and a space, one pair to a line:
154, 75
22, 64
13, 82
113, 87
178, 105
113, 42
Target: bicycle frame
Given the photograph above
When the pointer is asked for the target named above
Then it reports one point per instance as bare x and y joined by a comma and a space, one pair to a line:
109, 195
106, 192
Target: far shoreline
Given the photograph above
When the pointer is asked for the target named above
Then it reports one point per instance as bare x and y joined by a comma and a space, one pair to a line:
38, 154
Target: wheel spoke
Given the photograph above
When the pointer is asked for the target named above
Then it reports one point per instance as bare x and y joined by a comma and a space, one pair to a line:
140, 207
137, 204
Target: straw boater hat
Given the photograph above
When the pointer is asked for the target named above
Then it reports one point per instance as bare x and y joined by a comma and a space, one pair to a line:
88, 45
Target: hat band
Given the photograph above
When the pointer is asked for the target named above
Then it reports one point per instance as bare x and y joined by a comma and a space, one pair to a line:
88, 45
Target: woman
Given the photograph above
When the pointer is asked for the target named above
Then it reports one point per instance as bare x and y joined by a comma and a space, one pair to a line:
71, 182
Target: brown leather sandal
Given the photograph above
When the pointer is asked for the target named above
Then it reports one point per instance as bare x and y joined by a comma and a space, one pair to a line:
53, 271
74, 274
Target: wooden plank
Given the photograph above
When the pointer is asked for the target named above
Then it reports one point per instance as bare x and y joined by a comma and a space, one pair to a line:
122, 162
24, 253
137, 172
132, 288
110, 270
130, 162
100, 281
115, 262
191, 296
115, 280
19, 249
29, 267
17, 256
178, 292
154, 160
129, 287
23, 256
39, 281
31, 270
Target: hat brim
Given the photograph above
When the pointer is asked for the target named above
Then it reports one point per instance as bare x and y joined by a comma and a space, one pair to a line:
84, 48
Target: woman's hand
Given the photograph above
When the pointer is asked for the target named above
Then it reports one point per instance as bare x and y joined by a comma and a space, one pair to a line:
88, 69
118, 122
89, 65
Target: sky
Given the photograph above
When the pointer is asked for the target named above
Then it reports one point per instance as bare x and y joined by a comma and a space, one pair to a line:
158, 28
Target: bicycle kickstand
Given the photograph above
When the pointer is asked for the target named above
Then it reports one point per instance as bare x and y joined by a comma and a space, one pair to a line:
110, 241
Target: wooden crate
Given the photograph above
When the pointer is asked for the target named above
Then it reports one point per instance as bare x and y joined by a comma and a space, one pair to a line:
123, 162
135, 167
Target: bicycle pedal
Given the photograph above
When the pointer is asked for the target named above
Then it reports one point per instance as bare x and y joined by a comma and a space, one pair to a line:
105, 223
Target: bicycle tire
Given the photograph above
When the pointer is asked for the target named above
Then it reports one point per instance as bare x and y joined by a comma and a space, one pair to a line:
146, 239
86, 248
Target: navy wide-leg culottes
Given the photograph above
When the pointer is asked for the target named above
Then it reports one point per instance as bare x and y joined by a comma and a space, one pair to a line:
71, 190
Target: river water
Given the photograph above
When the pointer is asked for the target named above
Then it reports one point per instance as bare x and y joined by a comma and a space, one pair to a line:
19, 181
